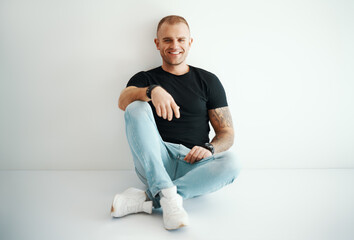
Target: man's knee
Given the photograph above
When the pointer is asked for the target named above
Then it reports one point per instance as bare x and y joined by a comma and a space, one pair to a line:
136, 108
232, 164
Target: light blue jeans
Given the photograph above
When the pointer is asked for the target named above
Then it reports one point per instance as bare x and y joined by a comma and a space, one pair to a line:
160, 164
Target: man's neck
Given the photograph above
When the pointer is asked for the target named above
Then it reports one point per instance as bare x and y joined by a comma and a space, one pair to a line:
176, 69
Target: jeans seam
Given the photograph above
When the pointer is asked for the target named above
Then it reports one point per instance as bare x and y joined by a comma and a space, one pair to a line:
177, 160
174, 177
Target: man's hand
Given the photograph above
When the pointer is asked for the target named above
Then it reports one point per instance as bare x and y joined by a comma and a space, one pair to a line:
196, 154
164, 104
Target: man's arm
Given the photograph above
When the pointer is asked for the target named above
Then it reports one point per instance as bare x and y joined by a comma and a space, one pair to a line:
164, 103
131, 94
220, 119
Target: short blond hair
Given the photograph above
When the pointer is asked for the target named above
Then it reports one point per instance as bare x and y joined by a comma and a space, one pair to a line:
171, 19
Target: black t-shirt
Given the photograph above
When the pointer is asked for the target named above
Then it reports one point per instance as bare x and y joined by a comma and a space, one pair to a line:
195, 93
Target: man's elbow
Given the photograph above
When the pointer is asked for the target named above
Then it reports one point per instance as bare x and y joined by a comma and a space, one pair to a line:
121, 106
126, 97
232, 141
231, 138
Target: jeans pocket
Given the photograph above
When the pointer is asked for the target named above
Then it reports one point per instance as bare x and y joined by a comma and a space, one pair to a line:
202, 161
184, 151
205, 159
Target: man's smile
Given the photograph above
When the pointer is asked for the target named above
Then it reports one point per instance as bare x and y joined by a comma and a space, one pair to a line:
175, 52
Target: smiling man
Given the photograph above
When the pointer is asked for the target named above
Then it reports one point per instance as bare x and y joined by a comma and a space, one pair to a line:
167, 115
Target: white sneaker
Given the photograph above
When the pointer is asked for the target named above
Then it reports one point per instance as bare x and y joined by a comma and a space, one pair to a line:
174, 216
132, 200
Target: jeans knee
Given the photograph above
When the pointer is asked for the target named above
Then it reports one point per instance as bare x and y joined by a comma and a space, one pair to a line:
233, 165
136, 108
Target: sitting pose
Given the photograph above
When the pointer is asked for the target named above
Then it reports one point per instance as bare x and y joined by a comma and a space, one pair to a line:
167, 115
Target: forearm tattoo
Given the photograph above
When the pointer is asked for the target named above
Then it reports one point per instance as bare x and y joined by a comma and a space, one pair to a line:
222, 117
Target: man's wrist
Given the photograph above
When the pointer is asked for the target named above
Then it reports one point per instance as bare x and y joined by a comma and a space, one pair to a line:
149, 90
210, 147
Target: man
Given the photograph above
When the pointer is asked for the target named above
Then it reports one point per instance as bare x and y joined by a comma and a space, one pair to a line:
167, 114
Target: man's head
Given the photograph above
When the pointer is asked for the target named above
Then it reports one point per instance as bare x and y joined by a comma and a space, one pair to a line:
172, 19
173, 40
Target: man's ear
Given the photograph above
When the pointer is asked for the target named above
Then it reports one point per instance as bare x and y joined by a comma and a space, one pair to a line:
157, 43
190, 42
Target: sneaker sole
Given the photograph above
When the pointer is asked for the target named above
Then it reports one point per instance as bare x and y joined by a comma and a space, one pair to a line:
180, 226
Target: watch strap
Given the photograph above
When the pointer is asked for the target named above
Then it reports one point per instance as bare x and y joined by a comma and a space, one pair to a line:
210, 147
149, 90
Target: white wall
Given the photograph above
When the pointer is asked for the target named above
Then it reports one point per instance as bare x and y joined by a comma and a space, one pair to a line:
287, 67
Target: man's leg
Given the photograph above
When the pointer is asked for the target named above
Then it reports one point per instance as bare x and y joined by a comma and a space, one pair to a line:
207, 175
151, 158
153, 163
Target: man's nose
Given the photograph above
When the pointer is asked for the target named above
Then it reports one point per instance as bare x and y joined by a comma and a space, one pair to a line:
174, 44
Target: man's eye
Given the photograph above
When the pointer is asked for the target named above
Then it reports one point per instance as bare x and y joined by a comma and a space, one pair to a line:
181, 40
167, 41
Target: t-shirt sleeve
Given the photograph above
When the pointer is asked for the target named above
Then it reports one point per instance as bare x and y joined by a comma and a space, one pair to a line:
217, 95
139, 80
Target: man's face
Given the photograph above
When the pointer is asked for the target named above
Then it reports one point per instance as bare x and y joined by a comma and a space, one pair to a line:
174, 42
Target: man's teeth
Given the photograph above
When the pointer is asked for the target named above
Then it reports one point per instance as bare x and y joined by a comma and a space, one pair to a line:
174, 52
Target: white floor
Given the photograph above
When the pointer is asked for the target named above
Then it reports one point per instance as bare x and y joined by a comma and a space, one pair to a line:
260, 204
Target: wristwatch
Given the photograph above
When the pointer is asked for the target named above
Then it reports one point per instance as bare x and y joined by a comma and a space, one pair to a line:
149, 89
210, 147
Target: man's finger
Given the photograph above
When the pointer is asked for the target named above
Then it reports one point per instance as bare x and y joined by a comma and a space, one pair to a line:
201, 154
163, 112
206, 154
175, 108
158, 111
195, 155
189, 155
187, 158
169, 113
